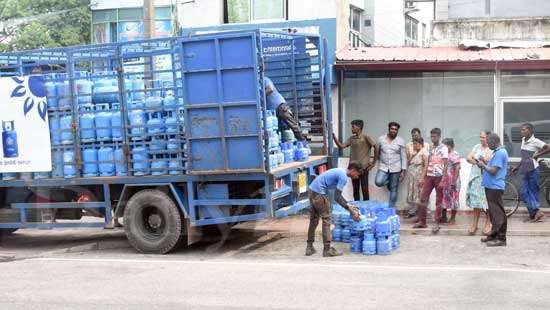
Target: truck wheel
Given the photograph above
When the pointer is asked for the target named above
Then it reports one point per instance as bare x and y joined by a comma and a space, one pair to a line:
7, 231
152, 222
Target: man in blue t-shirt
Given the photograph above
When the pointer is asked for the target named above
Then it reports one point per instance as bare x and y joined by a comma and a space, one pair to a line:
333, 179
493, 180
277, 103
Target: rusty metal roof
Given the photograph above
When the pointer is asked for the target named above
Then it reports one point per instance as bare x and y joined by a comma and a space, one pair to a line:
440, 57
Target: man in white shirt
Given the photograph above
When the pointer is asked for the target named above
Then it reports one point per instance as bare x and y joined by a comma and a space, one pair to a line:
531, 150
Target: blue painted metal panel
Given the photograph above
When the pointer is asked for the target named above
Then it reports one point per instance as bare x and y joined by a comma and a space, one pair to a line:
223, 103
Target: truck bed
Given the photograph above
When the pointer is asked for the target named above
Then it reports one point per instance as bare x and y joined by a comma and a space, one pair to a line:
312, 160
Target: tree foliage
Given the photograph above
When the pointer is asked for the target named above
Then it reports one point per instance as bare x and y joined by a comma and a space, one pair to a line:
32, 24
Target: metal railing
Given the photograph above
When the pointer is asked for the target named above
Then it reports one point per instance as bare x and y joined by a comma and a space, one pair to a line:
357, 39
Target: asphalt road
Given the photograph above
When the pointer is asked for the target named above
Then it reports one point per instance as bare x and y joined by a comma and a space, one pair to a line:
269, 271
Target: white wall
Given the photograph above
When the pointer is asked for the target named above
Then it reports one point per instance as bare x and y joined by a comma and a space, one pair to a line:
200, 13
358, 3
389, 23
425, 15
311, 9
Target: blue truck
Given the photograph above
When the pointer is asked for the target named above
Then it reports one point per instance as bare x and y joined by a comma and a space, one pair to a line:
168, 137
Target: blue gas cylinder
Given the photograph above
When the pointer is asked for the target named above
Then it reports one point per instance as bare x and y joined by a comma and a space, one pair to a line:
288, 152
159, 165
140, 160
116, 121
383, 228
138, 86
174, 165
155, 124
157, 144
169, 101
301, 152
394, 241
69, 167
105, 88
337, 233
383, 246
138, 123
51, 91
87, 130
63, 91
273, 161
281, 157
153, 101
106, 159
57, 164
83, 87
103, 122
369, 244
171, 123
346, 234
360, 225
65, 125
128, 88
55, 134
356, 244
89, 158
273, 120
120, 163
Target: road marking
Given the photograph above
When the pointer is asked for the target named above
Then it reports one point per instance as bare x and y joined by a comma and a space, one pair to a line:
304, 264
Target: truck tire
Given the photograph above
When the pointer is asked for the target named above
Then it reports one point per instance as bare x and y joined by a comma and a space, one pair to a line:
9, 216
152, 222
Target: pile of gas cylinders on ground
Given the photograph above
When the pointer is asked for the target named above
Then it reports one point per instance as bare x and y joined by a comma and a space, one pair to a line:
376, 233
283, 147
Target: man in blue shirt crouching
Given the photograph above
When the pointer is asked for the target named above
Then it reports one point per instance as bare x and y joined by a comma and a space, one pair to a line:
321, 208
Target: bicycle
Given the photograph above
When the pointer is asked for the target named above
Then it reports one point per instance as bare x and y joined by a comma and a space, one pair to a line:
511, 195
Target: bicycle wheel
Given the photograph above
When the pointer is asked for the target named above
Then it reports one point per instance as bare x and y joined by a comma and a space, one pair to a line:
510, 198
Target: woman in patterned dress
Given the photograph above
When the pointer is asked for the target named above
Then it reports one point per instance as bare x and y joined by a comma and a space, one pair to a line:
418, 160
475, 195
451, 181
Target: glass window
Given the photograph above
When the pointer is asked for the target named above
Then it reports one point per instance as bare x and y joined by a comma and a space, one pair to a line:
99, 16
525, 83
130, 14
517, 113
243, 11
411, 31
238, 11
268, 9
460, 104
355, 18
163, 12
101, 33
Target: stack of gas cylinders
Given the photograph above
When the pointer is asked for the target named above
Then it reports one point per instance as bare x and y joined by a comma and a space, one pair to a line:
283, 147
376, 233
154, 118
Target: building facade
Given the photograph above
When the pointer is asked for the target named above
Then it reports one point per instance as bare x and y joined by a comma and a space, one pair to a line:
488, 69
120, 21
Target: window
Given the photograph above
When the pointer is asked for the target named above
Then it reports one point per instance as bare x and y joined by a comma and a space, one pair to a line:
243, 11
368, 22
355, 18
424, 37
411, 31
515, 113
119, 25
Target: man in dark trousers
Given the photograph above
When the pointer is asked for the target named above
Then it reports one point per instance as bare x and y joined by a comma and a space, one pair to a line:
360, 145
531, 150
277, 103
493, 180
321, 208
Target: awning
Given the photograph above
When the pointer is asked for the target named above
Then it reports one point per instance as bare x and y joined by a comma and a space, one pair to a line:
441, 59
